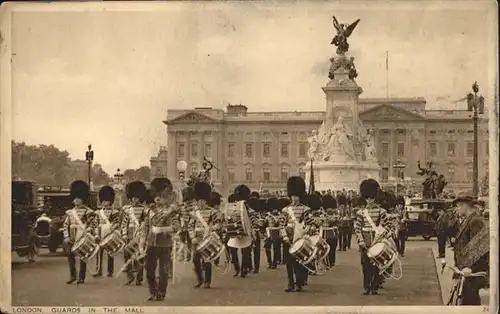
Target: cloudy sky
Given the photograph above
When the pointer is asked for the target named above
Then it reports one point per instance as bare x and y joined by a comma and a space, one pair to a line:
107, 77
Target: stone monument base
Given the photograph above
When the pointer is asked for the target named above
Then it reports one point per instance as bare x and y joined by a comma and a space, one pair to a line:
346, 175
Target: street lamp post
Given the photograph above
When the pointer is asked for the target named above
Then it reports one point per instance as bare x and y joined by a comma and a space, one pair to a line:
475, 104
119, 185
89, 157
400, 166
181, 167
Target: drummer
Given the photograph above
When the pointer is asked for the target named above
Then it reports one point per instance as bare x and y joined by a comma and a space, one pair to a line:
283, 202
79, 191
254, 210
273, 240
110, 214
202, 269
331, 220
132, 217
291, 232
217, 218
241, 193
369, 190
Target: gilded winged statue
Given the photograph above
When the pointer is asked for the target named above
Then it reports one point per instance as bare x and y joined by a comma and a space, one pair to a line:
343, 32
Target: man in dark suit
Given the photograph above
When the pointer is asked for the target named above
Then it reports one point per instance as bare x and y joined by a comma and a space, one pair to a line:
473, 224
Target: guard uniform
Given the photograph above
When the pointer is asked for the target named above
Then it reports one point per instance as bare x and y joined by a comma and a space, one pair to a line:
345, 222
331, 221
294, 230
202, 268
242, 193
273, 240
79, 220
254, 213
107, 214
403, 217
186, 209
369, 190
132, 217
283, 202
160, 224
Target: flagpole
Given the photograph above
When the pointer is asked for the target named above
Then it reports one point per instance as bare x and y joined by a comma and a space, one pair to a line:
387, 74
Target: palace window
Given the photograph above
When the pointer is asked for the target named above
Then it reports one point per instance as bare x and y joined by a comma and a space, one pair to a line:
385, 149
451, 132
384, 175
401, 149
194, 150
302, 149
248, 173
266, 174
180, 150
248, 150
302, 173
433, 149
266, 150
470, 149
284, 173
284, 150
451, 149
208, 150
451, 172
230, 150
470, 172
230, 175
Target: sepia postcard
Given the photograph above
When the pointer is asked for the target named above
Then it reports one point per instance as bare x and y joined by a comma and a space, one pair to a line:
249, 156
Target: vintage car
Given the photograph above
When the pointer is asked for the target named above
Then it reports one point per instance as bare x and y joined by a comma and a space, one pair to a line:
55, 201
24, 214
422, 215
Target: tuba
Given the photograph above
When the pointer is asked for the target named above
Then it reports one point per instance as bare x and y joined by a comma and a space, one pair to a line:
238, 225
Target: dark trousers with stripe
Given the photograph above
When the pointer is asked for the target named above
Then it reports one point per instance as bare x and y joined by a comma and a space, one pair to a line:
202, 269
371, 277
296, 273
273, 245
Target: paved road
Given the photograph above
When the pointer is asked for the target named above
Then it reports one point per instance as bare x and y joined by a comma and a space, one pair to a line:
43, 284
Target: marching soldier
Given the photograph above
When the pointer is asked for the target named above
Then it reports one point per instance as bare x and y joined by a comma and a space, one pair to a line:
331, 220
292, 230
161, 223
253, 213
108, 214
79, 220
241, 193
372, 214
132, 217
217, 219
403, 217
202, 268
186, 210
345, 222
273, 240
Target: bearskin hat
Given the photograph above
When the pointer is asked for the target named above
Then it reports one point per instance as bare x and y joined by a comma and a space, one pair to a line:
283, 202
79, 189
160, 184
272, 204
202, 191
136, 189
215, 199
242, 192
254, 203
263, 205
342, 199
314, 202
255, 194
296, 186
187, 194
106, 193
369, 188
231, 198
329, 202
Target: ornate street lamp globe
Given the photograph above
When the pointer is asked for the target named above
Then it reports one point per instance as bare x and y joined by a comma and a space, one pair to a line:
182, 166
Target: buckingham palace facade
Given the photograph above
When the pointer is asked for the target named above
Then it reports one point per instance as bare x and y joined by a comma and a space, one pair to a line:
265, 148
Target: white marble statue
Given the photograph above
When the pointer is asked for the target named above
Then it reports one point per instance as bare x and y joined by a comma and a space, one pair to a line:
344, 138
370, 151
313, 145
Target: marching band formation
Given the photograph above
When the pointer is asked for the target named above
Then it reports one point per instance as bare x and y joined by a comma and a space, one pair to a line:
303, 231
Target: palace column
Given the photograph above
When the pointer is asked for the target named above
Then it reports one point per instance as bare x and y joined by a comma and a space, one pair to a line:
172, 155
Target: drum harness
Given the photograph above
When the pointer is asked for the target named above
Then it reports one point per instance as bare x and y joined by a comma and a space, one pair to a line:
379, 232
85, 232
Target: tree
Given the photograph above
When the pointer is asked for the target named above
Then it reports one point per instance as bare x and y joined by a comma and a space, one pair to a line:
143, 174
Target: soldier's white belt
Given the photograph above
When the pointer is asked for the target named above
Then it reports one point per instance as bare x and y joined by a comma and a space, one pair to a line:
157, 230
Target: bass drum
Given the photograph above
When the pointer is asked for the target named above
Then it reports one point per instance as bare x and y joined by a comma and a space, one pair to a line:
238, 225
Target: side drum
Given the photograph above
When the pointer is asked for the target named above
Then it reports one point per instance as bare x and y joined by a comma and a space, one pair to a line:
211, 248
85, 247
322, 248
112, 243
302, 250
382, 255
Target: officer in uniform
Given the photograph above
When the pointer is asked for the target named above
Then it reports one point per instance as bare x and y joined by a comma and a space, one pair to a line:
283, 202
292, 230
369, 190
241, 193
161, 223
132, 217
79, 191
273, 240
403, 217
345, 222
331, 220
107, 214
